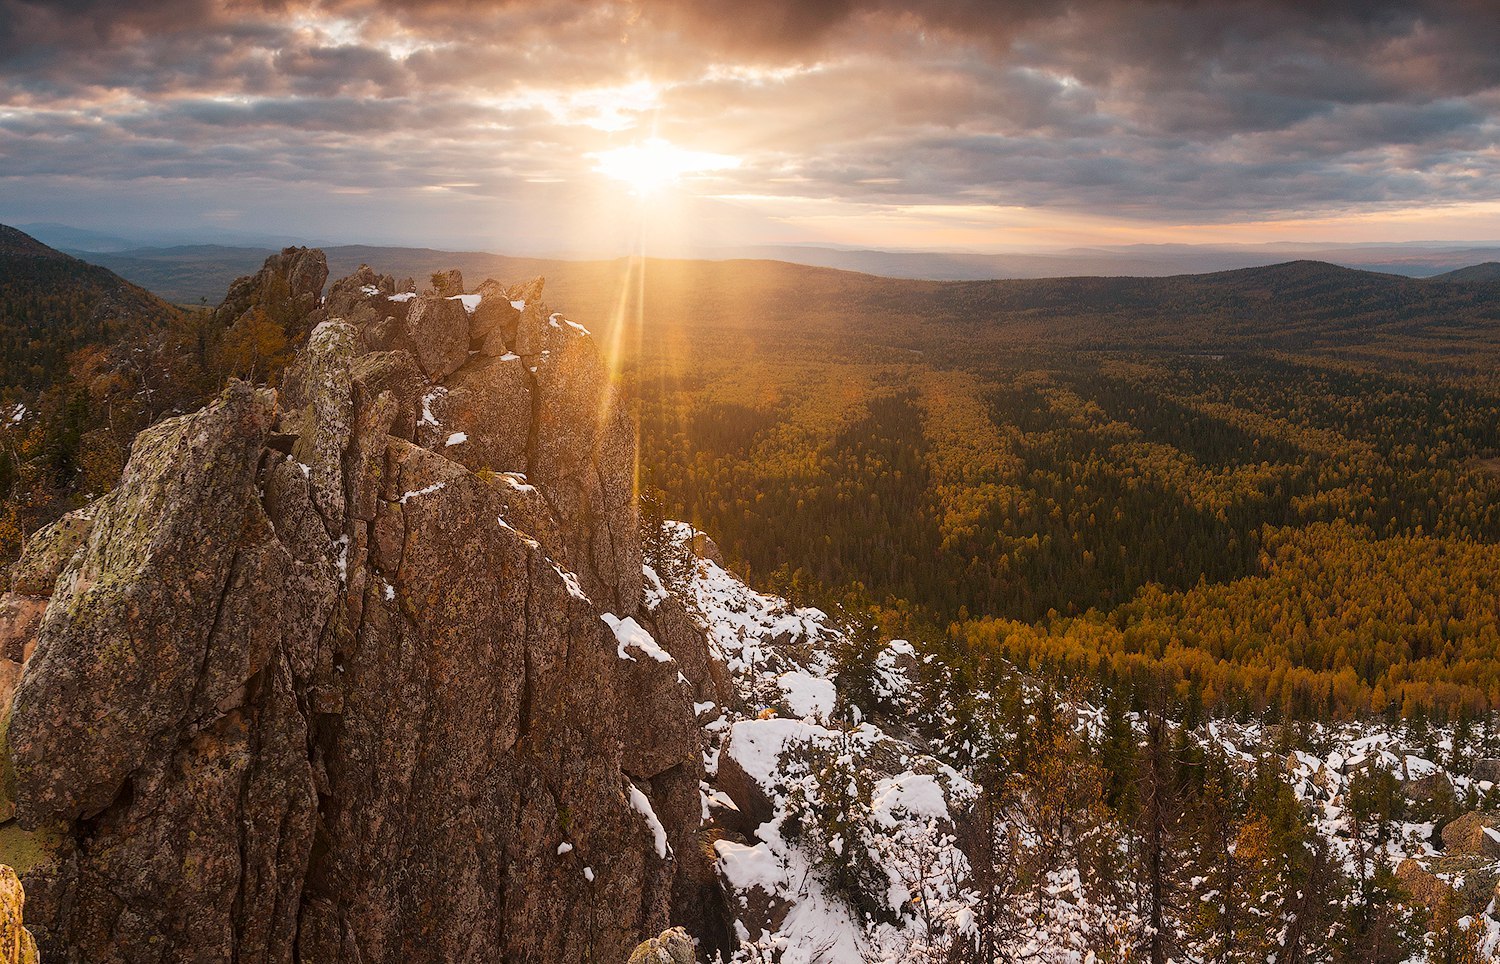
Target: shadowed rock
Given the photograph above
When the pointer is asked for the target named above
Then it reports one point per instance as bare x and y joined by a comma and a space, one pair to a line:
364, 295
287, 288
492, 329
446, 284
437, 330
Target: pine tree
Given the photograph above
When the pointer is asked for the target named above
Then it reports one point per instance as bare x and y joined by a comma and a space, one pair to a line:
1157, 823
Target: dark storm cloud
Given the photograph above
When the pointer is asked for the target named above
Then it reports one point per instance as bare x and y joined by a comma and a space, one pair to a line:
1147, 108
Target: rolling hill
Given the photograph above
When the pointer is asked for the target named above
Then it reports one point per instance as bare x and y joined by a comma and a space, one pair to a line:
52, 303
1486, 273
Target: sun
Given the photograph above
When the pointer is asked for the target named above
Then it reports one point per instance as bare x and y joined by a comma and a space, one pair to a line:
653, 164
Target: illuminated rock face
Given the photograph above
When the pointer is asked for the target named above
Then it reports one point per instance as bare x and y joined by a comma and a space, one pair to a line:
16, 944
327, 677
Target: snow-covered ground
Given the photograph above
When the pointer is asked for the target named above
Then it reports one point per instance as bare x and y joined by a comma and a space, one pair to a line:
783, 738
850, 850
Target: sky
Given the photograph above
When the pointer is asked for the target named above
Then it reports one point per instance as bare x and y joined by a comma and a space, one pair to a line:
578, 126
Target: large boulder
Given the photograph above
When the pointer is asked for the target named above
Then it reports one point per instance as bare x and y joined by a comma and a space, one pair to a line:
660, 728
1435, 788
20, 618
322, 430
669, 947
583, 455
530, 339
528, 292
1421, 884
48, 551
1468, 880
437, 331
687, 640
492, 330
1474, 833
745, 784
16, 944
1486, 771
120, 648
395, 372
705, 548
448, 284
363, 295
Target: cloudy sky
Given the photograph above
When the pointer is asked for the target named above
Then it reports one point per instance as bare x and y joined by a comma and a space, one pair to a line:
579, 125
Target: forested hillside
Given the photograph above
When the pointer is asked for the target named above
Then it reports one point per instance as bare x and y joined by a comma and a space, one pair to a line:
1132, 477
1224, 480
52, 304
82, 369
86, 361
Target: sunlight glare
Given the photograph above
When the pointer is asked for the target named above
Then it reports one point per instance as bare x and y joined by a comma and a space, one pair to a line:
653, 164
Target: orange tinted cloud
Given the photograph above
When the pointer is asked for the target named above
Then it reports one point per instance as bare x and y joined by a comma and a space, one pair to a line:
939, 123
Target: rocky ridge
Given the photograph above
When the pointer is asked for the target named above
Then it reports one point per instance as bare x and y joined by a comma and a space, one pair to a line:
361, 667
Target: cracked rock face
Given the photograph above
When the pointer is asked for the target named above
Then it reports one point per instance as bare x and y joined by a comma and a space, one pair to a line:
327, 676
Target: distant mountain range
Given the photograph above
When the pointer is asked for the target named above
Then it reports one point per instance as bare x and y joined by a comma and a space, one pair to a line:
200, 273
1140, 260
1447, 319
190, 273
63, 236
187, 272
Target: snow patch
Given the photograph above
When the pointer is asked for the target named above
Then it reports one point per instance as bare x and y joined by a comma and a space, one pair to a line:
807, 696
426, 490
631, 634
917, 794
470, 302
570, 580
641, 804
517, 481
427, 417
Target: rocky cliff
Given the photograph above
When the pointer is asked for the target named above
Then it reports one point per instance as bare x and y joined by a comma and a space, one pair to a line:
359, 668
